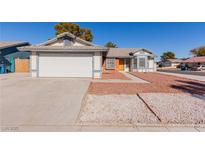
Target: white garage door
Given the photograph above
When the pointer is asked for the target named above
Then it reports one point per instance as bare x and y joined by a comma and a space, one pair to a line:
65, 65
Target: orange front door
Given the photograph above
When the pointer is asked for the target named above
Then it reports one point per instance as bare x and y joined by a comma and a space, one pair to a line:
121, 65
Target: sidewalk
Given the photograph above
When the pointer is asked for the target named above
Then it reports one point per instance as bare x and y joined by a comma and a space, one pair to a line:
80, 128
188, 76
142, 129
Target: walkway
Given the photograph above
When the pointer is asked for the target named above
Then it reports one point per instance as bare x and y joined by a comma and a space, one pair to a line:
178, 71
133, 79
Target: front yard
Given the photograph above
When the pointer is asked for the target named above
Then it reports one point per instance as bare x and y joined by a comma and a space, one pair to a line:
65, 104
159, 83
113, 75
165, 100
158, 109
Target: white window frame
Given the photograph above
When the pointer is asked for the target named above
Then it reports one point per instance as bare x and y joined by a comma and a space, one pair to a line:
144, 66
110, 63
135, 63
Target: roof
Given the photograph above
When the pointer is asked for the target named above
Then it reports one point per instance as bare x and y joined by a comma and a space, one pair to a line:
63, 48
124, 52
175, 60
69, 35
4, 45
195, 60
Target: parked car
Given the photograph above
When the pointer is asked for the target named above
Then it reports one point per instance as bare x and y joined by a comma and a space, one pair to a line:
184, 67
198, 68
201, 67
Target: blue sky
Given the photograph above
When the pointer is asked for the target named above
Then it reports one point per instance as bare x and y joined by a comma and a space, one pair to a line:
158, 37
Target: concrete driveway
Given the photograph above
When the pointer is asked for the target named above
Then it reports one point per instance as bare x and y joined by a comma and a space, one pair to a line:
27, 103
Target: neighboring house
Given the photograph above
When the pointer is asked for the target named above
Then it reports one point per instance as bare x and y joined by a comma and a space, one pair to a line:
195, 61
69, 56
8, 52
172, 63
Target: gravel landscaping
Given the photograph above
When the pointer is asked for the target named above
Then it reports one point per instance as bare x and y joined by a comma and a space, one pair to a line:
176, 108
171, 82
114, 75
115, 109
163, 108
158, 83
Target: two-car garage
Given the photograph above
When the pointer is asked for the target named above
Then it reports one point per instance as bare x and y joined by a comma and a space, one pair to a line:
65, 65
65, 61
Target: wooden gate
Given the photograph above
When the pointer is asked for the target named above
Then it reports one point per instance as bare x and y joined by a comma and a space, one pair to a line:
21, 65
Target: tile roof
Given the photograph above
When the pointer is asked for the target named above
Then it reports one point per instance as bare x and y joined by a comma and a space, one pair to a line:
4, 45
195, 60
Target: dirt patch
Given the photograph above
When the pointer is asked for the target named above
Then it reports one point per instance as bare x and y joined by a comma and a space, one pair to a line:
159, 83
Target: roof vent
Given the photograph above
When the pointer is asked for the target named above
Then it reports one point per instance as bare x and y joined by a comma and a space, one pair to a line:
67, 41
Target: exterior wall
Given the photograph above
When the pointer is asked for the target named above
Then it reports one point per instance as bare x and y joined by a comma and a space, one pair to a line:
61, 43
78, 44
9, 54
170, 64
142, 53
155, 67
175, 65
58, 43
97, 63
21, 65
104, 65
150, 65
34, 64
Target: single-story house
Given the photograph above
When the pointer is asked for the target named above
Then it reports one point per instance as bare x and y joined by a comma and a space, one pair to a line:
8, 52
172, 63
195, 61
69, 56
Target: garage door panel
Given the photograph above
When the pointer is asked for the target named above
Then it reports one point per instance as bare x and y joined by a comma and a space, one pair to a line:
65, 65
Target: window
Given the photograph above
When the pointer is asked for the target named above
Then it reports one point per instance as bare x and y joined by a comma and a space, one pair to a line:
110, 63
142, 62
142, 52
135, 63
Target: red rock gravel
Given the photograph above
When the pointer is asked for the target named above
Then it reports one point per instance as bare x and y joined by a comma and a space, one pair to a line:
114, 75
159, 83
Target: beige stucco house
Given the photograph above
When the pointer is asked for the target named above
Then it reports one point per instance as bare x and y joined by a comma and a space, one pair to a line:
171, 63
69, 56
